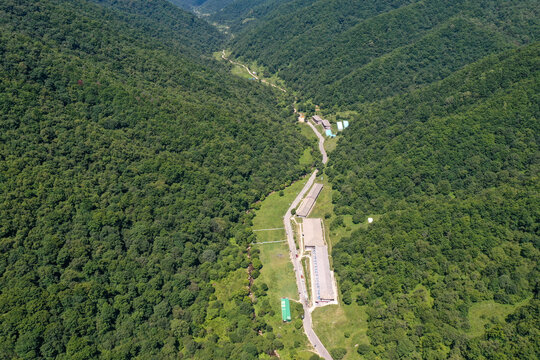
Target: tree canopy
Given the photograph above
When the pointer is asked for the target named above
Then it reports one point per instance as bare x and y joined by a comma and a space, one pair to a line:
453, 168
128, 162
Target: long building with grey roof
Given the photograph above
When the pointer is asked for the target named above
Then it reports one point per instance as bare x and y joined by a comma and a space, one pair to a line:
322, 283
316, 119
309, 201
321, 275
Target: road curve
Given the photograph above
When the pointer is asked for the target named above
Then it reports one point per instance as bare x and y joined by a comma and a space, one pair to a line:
298, 270
321, 142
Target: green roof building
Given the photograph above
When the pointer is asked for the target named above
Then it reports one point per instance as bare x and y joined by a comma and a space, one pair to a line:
285, 309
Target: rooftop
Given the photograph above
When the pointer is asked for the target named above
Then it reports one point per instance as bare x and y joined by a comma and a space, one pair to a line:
323, 288
313, 232
307, 204
326, 124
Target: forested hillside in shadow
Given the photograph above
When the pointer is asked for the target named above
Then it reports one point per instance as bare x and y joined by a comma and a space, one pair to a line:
340, 53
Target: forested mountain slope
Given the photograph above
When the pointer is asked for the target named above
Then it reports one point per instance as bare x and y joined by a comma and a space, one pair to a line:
454, 169
127, 164
186, 4
212, 6
340, 53
444, 147
162, 21
235, 14
238, 14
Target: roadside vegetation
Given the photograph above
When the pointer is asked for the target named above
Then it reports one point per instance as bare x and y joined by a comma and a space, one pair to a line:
276, 274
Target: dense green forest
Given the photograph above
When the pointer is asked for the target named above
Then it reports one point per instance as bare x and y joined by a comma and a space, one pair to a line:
454, 169
128, 161
131, 161
234, 14
187, 4
444, 146
340, 53
239, 14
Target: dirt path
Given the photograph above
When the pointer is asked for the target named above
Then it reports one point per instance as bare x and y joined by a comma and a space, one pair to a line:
250, 72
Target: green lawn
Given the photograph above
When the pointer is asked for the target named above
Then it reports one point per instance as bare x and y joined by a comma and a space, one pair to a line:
342, 326
272, 209
277, 271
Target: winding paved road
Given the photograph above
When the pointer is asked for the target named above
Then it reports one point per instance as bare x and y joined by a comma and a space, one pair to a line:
298, 270
321, 142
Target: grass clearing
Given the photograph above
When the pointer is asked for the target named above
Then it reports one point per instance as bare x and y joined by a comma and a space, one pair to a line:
217, 55
260, 70
342, 326
488, 311
343, 115
240, 71
307, 132
272, 209
314, 153
307, 157
277, 272
330, 143
270, 235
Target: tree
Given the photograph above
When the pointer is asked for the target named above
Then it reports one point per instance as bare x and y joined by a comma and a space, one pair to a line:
338, 353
